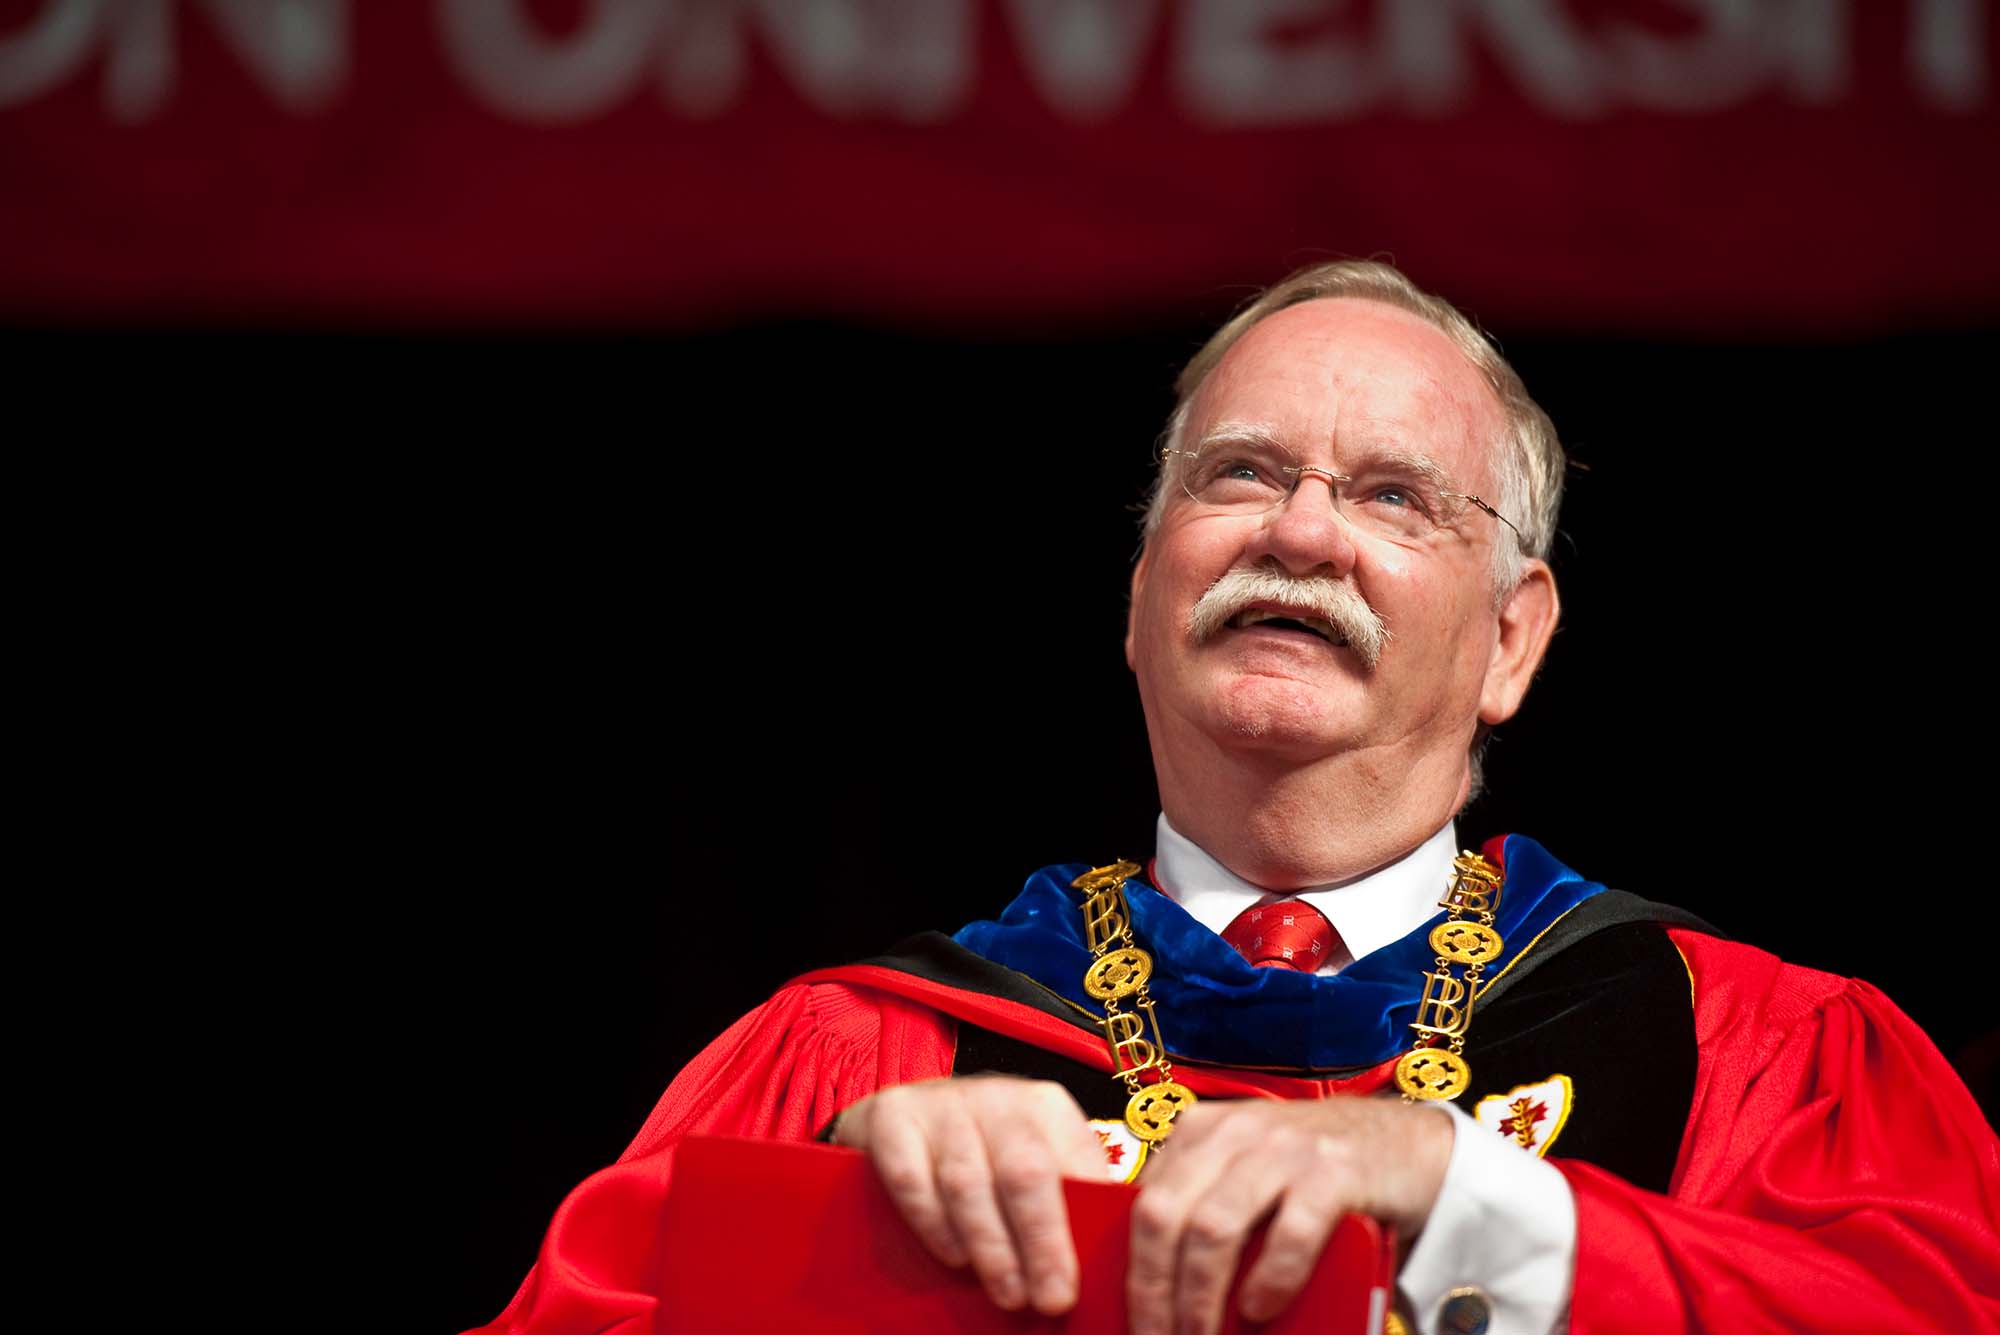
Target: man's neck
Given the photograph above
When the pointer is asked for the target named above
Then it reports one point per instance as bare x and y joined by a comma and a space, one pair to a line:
1326, 824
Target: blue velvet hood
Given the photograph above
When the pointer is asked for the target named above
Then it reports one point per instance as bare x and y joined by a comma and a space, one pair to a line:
1215, 1007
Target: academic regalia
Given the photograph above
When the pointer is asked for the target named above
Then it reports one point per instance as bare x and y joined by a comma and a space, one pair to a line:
1750, 1145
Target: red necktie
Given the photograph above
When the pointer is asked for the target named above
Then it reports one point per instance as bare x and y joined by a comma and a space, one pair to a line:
1290, 934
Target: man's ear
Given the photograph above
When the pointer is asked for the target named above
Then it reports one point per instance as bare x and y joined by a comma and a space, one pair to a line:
1527, 620
1139, 569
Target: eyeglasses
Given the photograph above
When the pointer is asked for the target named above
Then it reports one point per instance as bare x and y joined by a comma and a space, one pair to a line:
1402, 497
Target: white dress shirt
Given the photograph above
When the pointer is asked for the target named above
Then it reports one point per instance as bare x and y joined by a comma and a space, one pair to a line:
1504, 1221
1368, 912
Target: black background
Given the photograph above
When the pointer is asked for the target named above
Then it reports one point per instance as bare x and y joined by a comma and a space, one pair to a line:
584, 689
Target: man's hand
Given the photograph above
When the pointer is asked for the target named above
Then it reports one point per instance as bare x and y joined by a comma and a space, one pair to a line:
974, 1163
1230, 1166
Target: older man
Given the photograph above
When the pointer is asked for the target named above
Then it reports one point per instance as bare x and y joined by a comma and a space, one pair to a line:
1342, 590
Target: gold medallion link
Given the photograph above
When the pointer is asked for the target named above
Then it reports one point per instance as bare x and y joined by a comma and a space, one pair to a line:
1118, 973
1465, 942
1151, 1112
1432, 1073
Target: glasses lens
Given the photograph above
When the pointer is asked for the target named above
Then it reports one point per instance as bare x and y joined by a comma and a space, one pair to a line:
1238, 477
1404, 504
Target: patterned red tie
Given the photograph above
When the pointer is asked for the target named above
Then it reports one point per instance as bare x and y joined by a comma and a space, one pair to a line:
1290, 934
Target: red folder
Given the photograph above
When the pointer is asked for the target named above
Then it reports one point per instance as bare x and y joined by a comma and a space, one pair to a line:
770, 1236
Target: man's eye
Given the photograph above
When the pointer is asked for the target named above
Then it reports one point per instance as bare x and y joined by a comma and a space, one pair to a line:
1396, 496
1241, 470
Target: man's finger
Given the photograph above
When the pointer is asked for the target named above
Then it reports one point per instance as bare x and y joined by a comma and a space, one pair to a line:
1180, 1179
1212, 1242
1292, 1246
1027, 1180
1034, 1138
965, 1185
901, 1152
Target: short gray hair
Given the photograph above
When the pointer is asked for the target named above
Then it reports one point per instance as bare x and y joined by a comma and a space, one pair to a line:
1529, 465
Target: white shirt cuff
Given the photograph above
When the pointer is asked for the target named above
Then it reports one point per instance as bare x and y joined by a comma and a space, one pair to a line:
1504, 1225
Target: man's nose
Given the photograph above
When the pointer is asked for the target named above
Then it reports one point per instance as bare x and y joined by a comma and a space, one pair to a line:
1307, 531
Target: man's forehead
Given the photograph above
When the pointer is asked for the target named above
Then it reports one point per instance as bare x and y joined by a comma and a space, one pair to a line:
1360, 378
1385, 357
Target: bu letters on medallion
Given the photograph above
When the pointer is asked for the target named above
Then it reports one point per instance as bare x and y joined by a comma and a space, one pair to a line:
1445, 1009
1104, 918
1131, 1051
1470, 894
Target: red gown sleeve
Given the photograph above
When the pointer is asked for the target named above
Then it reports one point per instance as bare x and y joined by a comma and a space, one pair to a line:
781, 1072
1835, 1175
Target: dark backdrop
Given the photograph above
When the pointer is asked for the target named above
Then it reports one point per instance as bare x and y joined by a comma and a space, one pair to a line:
592, 687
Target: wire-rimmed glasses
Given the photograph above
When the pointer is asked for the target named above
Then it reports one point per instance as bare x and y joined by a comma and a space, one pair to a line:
1404, 497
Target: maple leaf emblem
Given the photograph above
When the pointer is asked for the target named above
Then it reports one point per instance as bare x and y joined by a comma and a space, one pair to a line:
1113, 1154
1521, 1126
1530, 1116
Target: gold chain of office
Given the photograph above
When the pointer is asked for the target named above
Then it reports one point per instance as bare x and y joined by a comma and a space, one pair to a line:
1119, 972
1444, 1012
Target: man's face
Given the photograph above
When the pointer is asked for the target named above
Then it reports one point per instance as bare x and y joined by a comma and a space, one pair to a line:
1343, 385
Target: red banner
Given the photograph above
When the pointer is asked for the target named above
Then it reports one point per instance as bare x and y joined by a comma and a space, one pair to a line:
1760, 166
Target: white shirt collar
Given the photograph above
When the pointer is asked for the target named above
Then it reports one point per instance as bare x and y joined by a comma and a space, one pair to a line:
1368, 912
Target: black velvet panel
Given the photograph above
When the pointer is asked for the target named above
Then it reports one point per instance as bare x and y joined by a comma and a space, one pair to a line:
1617, 1017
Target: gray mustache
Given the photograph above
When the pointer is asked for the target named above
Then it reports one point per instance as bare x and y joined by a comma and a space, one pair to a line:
1338, 601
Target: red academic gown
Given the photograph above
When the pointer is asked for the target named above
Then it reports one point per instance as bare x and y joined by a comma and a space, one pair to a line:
1834, 1174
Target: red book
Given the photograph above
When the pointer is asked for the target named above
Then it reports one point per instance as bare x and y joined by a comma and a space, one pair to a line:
766, 1235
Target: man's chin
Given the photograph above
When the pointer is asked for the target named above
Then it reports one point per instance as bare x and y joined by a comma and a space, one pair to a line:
1283, 716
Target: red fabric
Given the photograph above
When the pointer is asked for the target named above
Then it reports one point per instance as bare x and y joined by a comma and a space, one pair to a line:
1835, 1175
1290, 934
733, 1263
